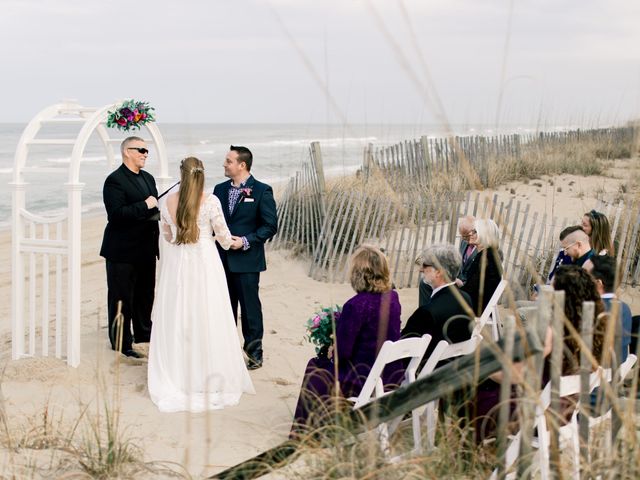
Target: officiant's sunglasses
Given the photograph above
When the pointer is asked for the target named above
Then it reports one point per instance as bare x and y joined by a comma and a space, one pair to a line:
139, 149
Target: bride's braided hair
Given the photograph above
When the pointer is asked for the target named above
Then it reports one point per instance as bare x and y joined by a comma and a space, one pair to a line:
189, 199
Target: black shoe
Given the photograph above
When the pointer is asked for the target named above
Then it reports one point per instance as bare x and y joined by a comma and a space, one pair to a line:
253, 364
132, 354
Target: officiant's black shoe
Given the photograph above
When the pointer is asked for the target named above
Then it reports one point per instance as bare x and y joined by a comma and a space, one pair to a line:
132, 354
253, 364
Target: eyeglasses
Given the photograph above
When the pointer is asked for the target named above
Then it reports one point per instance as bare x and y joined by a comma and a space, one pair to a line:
568, 246
141, 150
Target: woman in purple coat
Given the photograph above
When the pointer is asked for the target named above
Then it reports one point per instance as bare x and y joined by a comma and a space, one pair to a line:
368, 319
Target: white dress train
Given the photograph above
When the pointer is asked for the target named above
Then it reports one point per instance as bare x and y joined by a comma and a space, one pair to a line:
195, 358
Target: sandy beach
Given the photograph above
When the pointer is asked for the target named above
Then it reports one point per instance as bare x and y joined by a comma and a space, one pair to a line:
206, 443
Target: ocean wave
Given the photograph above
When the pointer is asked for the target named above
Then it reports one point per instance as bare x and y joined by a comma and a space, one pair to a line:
325, 142
94, 159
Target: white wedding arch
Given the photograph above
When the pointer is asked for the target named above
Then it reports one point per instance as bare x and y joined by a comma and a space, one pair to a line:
46, 250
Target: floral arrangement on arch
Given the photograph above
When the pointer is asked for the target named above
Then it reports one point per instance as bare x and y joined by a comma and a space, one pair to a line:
320, 328
130, 115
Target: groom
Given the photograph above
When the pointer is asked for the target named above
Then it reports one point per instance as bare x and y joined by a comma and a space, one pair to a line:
250, 212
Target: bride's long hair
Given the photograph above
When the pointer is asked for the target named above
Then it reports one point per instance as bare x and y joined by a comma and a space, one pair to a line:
189, 199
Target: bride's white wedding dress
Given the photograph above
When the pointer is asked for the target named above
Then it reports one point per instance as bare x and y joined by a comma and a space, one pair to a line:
195, 358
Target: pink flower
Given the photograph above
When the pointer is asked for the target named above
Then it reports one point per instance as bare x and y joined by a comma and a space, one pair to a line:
316, 322
122, 121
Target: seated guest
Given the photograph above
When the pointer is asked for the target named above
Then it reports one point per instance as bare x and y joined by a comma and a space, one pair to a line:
562, 258
448, 315
578, 287
467, 250
368, 319
485, 271
604, 274
578, 247
596, 225
424, 289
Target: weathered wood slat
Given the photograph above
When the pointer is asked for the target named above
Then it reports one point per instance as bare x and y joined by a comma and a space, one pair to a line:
461, 372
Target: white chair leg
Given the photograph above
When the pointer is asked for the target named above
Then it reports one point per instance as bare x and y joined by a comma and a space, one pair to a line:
431, 422
417, 434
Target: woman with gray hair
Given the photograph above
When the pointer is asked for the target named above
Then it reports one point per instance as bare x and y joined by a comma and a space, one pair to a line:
485, 272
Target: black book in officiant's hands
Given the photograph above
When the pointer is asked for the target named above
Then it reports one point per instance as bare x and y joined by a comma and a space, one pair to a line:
155, 217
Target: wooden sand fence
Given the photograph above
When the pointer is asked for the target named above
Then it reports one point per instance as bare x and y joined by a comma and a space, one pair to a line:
602, 449
390, 205
417, 160
302, 208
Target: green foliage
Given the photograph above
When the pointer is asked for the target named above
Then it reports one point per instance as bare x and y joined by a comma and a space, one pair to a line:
320, 327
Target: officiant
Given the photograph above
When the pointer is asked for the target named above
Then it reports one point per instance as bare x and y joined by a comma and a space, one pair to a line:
130, 245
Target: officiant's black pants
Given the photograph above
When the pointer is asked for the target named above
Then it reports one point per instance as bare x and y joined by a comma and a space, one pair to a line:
243, 291
134, 285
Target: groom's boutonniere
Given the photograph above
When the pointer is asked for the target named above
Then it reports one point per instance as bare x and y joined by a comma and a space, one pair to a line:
246, 192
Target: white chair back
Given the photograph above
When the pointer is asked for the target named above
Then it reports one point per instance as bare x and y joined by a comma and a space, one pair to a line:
490, 314
413, 348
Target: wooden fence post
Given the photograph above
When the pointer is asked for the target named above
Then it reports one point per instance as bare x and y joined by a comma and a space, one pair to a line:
316, 157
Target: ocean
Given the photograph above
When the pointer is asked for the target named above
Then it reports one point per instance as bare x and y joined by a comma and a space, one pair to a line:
278, 151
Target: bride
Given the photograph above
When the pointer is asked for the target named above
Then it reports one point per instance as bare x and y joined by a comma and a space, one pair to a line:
195, 358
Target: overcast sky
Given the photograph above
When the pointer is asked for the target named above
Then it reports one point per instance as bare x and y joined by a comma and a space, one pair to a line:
309, 61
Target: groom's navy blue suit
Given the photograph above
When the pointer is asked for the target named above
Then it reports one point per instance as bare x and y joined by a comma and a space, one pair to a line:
254, 217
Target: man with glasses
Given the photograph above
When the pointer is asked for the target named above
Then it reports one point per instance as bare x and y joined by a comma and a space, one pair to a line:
468, 250
577, 246
448, 314
130, 245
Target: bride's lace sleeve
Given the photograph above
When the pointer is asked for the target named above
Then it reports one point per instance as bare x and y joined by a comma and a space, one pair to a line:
218, 223
168, 233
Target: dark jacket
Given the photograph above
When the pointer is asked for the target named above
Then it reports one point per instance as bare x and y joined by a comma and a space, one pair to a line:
489, 261
466, 262
434, 318
254, 217
131, 234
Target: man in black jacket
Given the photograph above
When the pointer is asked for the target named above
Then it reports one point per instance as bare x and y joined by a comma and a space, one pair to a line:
448, 315
250, 212
130, 244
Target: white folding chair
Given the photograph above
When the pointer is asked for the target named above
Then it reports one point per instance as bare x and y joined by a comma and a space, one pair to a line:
490, 315
602, 423
412, 348
569, 437
443, 351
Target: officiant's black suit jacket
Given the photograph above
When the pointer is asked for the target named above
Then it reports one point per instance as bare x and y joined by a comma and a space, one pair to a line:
254, 217
131, 236
444, 318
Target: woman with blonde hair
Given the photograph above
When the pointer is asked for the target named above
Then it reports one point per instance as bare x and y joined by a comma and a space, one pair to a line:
195, 358
485, 272
367, 320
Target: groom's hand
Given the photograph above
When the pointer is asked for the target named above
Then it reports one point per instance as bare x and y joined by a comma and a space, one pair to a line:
236, 243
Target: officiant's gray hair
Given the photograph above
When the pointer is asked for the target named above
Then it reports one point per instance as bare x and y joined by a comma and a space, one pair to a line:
443, 257
125, 143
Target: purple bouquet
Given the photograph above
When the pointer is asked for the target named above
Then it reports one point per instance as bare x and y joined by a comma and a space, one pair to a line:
130, 115
320, 328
